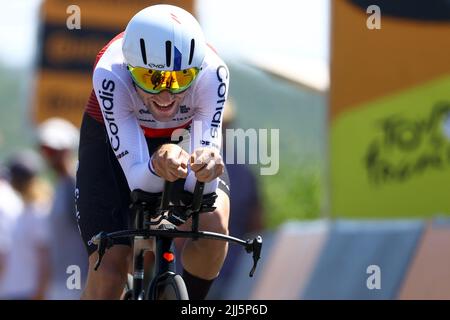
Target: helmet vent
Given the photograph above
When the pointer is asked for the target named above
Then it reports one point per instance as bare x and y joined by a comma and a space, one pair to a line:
191, 53
168, 52
144, 55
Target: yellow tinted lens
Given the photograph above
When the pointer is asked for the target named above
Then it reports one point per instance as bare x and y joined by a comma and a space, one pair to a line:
155, 81
184, 78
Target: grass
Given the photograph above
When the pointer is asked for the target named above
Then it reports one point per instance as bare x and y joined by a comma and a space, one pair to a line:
15, 132
295, 193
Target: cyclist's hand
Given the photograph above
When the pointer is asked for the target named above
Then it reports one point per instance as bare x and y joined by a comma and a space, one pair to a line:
170, 162
207, 164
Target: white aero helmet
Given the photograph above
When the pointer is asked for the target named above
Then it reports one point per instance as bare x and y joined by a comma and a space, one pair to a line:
164, 37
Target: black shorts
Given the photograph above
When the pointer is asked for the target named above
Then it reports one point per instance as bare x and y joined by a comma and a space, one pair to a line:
102, 192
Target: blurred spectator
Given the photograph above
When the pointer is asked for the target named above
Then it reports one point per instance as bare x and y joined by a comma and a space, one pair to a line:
10, 207
246, 214
58, 139
27, 268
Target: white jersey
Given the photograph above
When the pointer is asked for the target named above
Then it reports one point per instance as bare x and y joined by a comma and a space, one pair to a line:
29, 233
128, 121
11, 206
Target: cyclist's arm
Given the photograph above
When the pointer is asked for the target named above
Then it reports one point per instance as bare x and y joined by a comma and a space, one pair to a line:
211, 94
125, 135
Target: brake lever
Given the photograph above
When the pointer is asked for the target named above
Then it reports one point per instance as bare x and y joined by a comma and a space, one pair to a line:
103, 243
254, 246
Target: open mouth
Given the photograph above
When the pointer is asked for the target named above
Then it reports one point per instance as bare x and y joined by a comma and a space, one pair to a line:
164, 107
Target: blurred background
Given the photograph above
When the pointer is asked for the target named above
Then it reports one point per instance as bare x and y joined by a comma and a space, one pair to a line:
361, 98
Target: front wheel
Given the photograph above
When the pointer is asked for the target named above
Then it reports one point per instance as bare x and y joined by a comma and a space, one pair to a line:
168, 286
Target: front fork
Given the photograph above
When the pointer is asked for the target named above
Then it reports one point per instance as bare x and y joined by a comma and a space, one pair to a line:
165, 260
138, 274
164, 264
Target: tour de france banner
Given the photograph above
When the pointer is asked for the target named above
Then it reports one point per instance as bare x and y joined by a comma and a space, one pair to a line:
390, 108
71, 34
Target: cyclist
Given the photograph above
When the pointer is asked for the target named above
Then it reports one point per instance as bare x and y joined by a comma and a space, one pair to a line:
157, 76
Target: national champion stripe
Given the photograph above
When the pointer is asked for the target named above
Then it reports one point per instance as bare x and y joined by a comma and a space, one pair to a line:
177, 59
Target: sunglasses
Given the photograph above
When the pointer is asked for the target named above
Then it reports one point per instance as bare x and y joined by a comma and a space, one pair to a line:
155, 81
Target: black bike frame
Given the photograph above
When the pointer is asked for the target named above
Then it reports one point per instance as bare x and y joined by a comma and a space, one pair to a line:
164, 235
165, 262
164, 255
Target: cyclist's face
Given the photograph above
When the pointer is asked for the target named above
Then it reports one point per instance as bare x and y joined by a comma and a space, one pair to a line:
164, 105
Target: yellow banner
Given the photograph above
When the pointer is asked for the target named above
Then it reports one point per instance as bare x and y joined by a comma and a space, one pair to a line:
390, 111
62, 94
102, 14
63, 82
